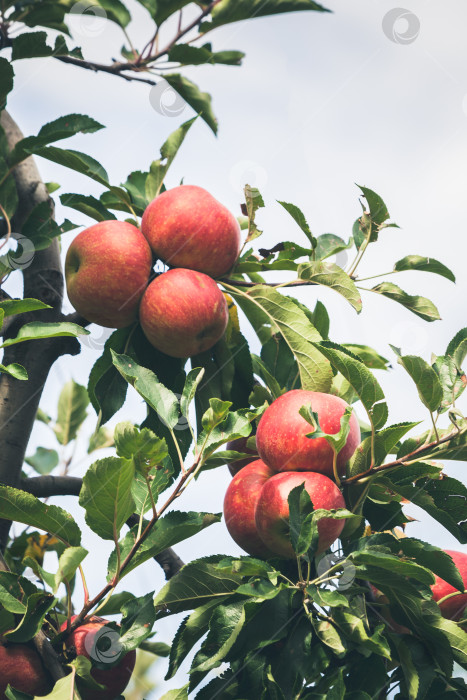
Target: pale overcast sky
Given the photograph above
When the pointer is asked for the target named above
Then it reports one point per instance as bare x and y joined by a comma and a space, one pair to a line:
323, 101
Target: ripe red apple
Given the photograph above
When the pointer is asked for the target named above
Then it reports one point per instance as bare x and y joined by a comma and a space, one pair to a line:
183, 312
240, 504
272, 509
452, 608
239, 445
281, 436
98, 642
21, 667
107, 269
187, 227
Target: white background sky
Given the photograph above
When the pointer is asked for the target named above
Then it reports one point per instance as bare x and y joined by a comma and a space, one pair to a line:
322, 101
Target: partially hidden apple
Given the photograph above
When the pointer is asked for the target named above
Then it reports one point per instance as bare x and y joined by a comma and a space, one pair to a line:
240, 445
187, 227
281, 436
272, 509
21, 667
240, 504
183, 313
100, 643
452, 608
107, 269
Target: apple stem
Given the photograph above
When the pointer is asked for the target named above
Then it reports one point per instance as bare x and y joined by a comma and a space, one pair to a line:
85, 587
334, 466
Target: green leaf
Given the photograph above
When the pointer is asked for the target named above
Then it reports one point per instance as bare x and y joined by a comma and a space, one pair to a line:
26, 508
40, 228
64, 689
303, 532
420, 306
165, 8
14, 591
106, 495
236, 424
200, 55
452, 380
195, 585
329, 635
61, 128
179, 694
71, 412
6, 80
384, 441
192, 382
156, 648
11, 307
115, 11
107, 388
159, 168
432, 558
224, 627
167, 531
38, 330
216, 413
417, 262
228, 11
77, 161
335, 440
138, 620
160, 478
163, 401
299, 217
417, 666
103, 437
114, 604
361, 379
37, 607
43, 461
368, 356
34, 45
87, 204
199, 101
331, 275
329, 244
384, 560
190, 631
69, 561
426, 380
378, 211
14, 370
143, 446
296, 329
354, 628
457, 348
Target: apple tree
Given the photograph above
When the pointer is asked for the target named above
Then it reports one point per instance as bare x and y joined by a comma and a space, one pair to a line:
336, 599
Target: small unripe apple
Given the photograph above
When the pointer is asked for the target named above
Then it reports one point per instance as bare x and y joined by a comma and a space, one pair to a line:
99, 643
22, 668
187, 227
452, 608
240, 445
107, 269
281, 436
272, 509
239, 507
183, 313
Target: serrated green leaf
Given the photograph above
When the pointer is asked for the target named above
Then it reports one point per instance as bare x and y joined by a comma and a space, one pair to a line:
71, 412
192, 381
137, 622
420, 306
77, 161
329, 244
43, 461
199, 101
107, 388
169, 150
6, 80
87, 204
190, 631
384, 442
368, 356
106, 495
37, 607
331, 275
37, 330
143, 446
228, 11
299, 217
224, 627
418, 262
69, 561
188, 55
426, 380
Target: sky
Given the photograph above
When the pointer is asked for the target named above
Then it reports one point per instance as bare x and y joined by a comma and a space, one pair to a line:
371, 95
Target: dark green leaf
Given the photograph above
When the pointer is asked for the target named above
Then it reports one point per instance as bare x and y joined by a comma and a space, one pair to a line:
169, 150
199, 101
420, 306
107, 388
75, 160
384, 442
194, 55
87, 204
228, 11
331, 275
417, 262
6, 80
38, 605
368, 355
138, 619
72, 411
426, 380
299, 217
190, 631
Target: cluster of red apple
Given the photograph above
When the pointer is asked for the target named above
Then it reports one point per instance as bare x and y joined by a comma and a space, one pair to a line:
21, 666
256, 508
182, 312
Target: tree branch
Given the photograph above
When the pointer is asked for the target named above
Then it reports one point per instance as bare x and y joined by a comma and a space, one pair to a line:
43, 280
46, 486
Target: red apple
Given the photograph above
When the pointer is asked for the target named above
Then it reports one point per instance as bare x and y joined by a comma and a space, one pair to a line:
272, 509
452, 608
183, 313
98, 642
239, 445
281, 436
21, 667
187, 227
240, 504
107, 269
